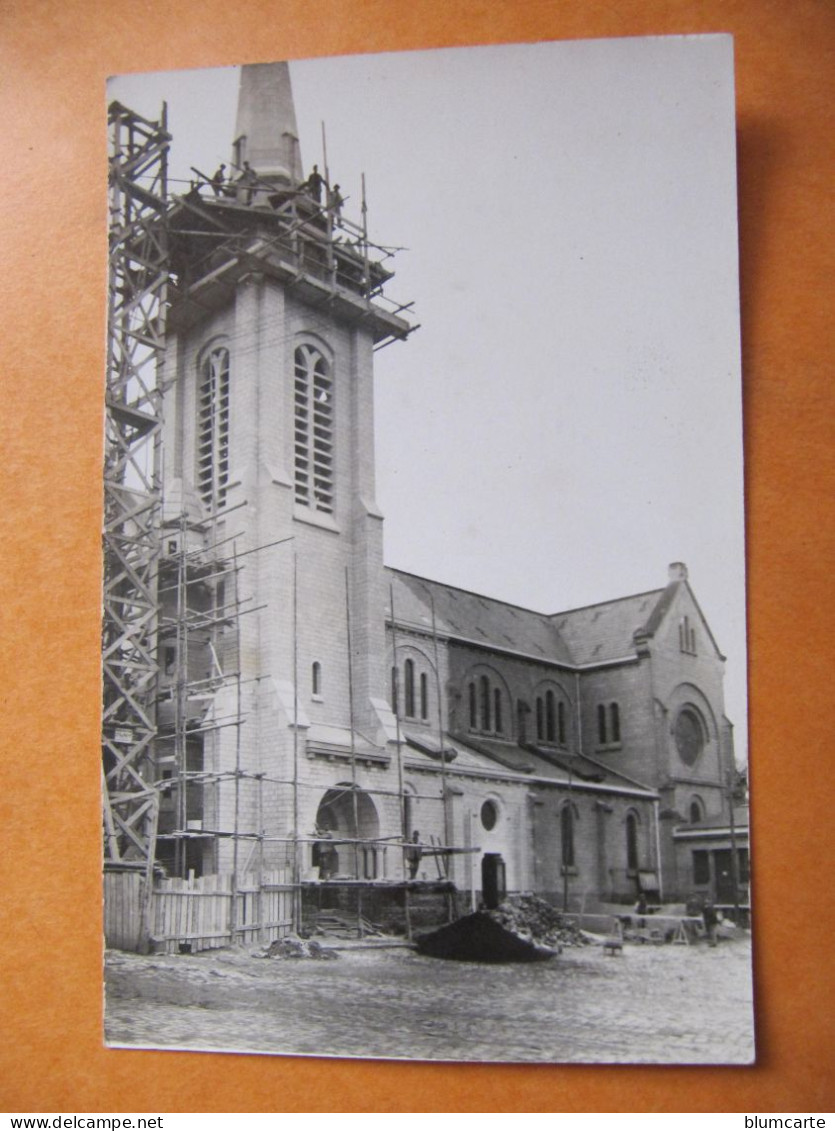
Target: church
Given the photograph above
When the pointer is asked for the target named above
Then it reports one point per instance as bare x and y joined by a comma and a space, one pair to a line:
358, 724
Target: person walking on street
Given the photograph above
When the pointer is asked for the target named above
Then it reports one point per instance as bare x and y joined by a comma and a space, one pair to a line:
711, 920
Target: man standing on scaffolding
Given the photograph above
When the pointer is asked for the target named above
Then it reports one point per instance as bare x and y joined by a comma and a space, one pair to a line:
335, 202
248, 181
314, 184
325, 855
414, 855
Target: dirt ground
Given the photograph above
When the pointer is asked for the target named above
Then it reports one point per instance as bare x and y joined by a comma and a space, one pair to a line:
652, 1005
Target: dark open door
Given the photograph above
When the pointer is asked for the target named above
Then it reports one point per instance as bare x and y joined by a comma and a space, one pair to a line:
723, 873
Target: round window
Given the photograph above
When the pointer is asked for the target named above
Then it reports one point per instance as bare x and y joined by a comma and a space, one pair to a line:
489, 815
689, 736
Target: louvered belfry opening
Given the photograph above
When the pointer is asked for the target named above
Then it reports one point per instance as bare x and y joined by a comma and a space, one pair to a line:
314, 430
213, 428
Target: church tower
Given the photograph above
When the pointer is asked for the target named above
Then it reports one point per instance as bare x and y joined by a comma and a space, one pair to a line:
269, 505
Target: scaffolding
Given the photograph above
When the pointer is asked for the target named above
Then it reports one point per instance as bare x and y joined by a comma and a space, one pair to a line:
138, 282
173, 675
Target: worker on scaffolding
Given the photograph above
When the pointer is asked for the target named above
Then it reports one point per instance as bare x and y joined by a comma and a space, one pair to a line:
414, 855
248, 180
218, 179
314, 185
335, 202
325, 855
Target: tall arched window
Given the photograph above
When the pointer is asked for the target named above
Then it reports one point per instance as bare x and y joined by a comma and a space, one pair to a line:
567, 836
409, 688
550, 717
213, 427
313, 430
424, 696
473, 708
497, 710
484, 695
608, 724
316, 678
614, 716
632, 842
540, 719
561, 723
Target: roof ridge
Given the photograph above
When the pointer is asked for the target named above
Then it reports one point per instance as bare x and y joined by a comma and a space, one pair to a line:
470, 592
611, 601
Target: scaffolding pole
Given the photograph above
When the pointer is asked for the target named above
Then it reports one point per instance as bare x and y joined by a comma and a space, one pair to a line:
137, 294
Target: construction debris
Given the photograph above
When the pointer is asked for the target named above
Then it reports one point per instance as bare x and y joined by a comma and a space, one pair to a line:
522, 929
533, 919
294, 947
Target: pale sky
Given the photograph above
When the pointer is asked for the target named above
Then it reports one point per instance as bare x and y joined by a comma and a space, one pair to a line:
567, 419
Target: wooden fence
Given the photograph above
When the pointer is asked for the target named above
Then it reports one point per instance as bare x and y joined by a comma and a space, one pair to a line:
123, 910
197, 914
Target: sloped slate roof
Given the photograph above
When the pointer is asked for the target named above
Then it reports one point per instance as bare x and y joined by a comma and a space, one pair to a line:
534, 762
470, 616
606, 631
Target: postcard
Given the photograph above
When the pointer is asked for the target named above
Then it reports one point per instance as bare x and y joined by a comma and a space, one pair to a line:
424, 717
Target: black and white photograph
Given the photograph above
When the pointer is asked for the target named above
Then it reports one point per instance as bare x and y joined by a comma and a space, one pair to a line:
424, 655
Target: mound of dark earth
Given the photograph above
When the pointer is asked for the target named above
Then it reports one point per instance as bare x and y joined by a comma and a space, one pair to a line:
522, 929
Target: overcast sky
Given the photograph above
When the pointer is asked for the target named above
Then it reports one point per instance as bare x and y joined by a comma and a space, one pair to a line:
567, 419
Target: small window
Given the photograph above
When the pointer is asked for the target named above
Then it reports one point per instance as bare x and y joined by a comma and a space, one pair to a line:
316, 678
601, 724
473, 708
540, 719
394, 704
687, 636
489, 815
170, 658
696, 811
424, 696
561, 722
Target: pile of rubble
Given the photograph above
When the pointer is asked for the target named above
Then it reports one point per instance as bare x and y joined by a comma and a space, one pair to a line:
522, 929
533, 919
294, 947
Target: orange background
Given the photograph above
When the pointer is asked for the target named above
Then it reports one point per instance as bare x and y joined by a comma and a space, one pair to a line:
54, 59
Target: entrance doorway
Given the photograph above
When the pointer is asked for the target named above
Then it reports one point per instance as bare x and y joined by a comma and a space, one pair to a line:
349, 812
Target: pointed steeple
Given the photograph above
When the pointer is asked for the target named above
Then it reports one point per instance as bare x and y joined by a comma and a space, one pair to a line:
266, 134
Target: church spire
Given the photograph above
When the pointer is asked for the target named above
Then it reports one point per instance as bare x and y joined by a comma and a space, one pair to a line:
266, 134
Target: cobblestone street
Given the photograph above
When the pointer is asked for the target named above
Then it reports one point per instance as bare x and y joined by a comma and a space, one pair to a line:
657, 1005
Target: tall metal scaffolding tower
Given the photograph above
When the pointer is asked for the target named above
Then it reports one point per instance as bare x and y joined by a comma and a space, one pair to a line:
138, 280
